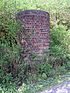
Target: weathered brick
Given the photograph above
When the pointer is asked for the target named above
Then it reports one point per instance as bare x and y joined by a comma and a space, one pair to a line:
37, 22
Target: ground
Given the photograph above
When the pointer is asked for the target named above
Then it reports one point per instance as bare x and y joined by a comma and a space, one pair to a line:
60, 84
62, 88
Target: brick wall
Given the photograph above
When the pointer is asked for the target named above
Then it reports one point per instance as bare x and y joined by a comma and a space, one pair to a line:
35, 30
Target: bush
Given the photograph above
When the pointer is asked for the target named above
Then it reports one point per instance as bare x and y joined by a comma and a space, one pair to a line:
59, 50
9, 48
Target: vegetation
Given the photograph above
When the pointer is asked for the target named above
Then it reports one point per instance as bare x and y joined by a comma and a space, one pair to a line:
13, 70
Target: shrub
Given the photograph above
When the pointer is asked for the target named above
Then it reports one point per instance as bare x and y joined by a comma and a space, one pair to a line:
9, 48
59, 50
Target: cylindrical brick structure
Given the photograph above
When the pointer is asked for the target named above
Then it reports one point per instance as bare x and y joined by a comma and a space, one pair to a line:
35, 30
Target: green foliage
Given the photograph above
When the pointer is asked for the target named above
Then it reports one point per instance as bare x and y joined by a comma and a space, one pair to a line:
68, 65
9, 47
59, 59
61, 70
60, 39
44, 68
59, 48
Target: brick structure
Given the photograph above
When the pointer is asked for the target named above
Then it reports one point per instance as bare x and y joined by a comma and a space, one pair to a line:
35, 31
